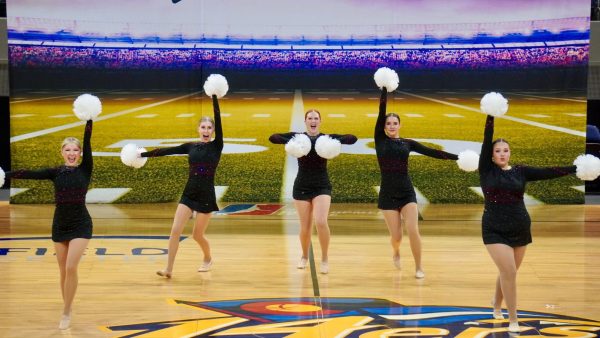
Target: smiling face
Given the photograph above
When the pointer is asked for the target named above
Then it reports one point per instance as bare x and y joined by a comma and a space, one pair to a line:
392, 126
71, 153
501, 154
205, 130
312, 120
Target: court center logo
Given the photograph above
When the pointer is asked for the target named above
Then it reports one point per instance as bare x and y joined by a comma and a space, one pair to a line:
351, 318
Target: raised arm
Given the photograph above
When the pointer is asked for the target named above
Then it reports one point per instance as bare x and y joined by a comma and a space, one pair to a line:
281, 138
485, 157
87, 161
546, 173
218, 126
380, 124
435, 153
180, 149
344, 139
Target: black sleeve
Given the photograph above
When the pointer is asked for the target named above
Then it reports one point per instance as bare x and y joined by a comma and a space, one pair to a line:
281, 138
87, 162
344, 139
537, 173
40, 174
435, 153
180, 149
380, 124
485, 157
218, 126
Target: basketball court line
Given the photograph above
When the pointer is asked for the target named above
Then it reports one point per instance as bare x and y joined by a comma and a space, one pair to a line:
511, 118
289, 175
99, 118
313, 271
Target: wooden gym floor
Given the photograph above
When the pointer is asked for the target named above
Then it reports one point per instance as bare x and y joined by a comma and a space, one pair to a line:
255, 256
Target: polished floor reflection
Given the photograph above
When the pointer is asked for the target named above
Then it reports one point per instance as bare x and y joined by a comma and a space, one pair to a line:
255, 290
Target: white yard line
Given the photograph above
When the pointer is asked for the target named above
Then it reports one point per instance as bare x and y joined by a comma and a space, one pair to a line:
44, 98
548, 97
511, 118
291, 163
100, 118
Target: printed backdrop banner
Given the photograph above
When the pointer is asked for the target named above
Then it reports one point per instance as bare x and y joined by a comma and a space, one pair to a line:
147, 61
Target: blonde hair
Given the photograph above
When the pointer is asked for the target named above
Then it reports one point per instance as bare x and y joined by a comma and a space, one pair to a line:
206, 119
70, 140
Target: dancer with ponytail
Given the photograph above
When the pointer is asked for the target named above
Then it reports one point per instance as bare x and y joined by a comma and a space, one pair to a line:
397, 198
199, 193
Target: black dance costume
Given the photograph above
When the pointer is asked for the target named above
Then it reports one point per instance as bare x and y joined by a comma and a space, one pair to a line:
71, 217
396, 189
312, 179
505, 218
203, 158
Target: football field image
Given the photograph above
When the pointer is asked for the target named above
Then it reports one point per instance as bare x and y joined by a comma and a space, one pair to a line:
543, 128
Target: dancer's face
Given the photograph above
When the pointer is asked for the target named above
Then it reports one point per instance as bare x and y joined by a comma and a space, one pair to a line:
205, 130
71, 154
392, 126
312, 121
501, 154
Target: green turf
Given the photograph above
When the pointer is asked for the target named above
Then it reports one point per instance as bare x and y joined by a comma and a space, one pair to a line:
257, 177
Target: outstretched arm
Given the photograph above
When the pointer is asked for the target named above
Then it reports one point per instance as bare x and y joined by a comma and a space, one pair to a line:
40, 174
380, 124
435, 153
344, 139
485, 157
218, 126
546, 173
281, 138
180, 149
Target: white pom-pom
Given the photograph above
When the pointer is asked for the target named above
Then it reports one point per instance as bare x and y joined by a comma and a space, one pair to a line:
588, 167
298, 146
216, 84
328, 148
468, 160
494, 104
130, 156
2, 177
87, 107
386, 77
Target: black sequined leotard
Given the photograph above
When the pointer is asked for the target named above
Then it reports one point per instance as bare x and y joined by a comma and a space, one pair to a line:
312, 179
203, 159
71, 217
396, 188
505, 218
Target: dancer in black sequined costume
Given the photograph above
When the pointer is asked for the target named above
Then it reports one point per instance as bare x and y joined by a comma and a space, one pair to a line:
312, 189
397, 198
72, 224
199, 192
506, 223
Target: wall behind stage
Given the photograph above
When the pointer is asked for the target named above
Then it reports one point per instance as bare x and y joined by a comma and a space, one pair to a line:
147, 61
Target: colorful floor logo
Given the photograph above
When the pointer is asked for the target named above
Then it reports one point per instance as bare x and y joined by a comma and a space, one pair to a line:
250, 209
352, 318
